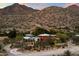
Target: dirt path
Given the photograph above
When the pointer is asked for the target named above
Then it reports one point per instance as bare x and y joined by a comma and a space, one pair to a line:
13, 52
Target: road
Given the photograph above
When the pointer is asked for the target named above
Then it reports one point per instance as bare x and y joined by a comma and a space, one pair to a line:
13, 52
7, 48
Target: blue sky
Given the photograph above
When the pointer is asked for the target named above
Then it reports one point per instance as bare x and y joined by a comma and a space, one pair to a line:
43, 5
57, 4
35, 5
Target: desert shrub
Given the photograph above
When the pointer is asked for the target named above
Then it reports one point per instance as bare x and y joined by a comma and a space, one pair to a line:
39, 30
75, 40
12, 33
67, 53
63, 37
6, 41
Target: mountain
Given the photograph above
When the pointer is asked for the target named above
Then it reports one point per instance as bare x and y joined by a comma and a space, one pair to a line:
25, 19
17, 9
73, 7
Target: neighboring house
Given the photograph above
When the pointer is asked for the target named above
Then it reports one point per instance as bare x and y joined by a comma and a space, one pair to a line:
77, 35
30, 37
30, 40
44, 37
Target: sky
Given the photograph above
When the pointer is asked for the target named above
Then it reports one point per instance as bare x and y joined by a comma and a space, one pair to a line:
43, 5
37, 5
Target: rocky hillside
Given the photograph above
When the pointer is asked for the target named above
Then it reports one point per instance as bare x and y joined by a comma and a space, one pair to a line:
24, 18
17, 9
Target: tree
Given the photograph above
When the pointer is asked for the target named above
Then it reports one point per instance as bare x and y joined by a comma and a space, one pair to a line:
63, 37
12, 33
39, 30
19, 36
67, 53
6, 41
12, 36
77, 28
53, 31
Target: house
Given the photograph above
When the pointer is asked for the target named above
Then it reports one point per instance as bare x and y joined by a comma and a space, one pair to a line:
29, 40
77, 35
44, 37
30, 37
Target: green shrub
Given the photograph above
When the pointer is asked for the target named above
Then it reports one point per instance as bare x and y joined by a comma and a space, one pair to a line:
39, 30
